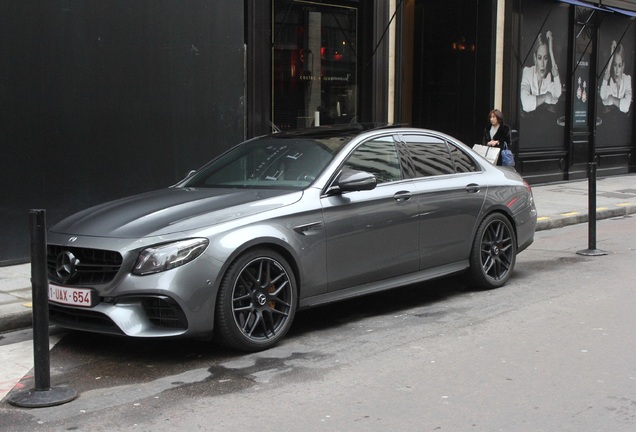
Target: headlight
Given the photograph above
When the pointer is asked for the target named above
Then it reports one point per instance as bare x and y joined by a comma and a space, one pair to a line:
168, 256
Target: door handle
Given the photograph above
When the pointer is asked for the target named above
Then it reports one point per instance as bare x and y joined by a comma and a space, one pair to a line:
473, 188
402, 196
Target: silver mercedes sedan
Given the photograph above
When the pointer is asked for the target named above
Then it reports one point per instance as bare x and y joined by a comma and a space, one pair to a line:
286, 222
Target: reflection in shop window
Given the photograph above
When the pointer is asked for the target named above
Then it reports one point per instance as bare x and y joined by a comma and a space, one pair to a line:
314, 79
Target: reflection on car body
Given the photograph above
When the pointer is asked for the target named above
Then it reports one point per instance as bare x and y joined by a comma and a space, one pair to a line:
285, 222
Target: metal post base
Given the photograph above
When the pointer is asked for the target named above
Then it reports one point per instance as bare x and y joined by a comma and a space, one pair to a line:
42, 398
592, 252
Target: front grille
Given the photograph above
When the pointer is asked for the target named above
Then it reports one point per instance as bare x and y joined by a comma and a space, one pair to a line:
82, 319
94, 266
164, 312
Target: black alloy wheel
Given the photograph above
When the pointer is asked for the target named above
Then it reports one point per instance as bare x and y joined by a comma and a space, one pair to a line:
256, 302
494, 253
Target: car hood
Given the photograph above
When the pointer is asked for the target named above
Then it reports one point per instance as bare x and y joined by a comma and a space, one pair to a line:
171, 210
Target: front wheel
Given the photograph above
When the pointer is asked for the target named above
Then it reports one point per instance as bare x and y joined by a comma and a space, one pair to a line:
493, 254
256, 302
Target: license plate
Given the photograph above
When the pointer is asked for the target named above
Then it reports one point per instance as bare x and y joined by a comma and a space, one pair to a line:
72, 296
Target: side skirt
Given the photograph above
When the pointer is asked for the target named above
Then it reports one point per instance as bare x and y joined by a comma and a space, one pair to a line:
383, 285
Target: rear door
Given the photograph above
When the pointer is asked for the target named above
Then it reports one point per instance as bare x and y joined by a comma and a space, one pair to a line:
450, 193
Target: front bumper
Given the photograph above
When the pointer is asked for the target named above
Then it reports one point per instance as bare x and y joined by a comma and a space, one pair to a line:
148, 316
176, 302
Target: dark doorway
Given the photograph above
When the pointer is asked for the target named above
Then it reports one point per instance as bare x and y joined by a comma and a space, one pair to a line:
445, 63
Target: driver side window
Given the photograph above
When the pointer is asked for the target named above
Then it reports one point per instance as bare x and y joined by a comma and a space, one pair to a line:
378, 157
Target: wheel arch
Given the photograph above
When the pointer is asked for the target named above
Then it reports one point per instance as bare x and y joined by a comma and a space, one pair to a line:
504, 211
272, 243
488, 252
283, 249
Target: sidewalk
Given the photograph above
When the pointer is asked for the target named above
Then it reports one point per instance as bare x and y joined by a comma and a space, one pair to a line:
558, 205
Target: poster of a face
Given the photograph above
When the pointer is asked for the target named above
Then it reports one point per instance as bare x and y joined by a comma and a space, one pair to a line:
542, 87
616, 68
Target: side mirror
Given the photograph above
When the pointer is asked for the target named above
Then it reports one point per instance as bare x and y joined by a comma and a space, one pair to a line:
352, 181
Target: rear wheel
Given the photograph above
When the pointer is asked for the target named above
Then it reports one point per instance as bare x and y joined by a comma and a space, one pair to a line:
494, 253
256, 302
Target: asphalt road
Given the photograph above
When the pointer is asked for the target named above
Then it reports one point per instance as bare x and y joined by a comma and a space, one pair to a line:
554, 350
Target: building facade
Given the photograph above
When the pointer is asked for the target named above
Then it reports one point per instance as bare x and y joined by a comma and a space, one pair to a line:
582, 111
105, 99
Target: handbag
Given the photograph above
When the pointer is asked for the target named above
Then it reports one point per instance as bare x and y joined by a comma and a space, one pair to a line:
490, 153
507, 157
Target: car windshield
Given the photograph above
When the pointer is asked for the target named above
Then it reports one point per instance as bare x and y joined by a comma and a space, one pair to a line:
285, 162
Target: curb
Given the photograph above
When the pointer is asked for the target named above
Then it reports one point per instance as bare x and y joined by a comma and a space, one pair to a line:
16, 321
574, 219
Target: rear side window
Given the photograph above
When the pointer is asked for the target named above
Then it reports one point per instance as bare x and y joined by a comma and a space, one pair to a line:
463, 162
431, 155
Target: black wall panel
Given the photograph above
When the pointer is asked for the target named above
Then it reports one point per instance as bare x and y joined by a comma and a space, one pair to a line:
102, 99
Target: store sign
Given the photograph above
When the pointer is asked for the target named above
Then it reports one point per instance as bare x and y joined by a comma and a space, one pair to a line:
582, 92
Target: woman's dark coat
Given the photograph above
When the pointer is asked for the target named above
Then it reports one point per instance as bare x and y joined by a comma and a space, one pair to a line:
502, 135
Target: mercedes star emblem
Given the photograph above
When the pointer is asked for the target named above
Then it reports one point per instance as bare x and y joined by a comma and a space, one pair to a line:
66, 265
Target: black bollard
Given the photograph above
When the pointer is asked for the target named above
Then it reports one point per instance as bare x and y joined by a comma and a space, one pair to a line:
39, 290
591, 222
42, 395
591, 155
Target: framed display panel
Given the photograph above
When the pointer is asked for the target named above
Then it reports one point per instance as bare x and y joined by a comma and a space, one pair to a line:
615, 106
314, 64
542, 88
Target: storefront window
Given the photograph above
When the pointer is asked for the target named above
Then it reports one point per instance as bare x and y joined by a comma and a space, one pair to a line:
615, 122
544, 48
314, 76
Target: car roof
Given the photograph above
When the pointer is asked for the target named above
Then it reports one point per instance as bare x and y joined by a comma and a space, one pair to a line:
349, 129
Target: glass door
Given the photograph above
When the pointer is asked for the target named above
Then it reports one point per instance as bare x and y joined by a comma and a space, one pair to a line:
314, 64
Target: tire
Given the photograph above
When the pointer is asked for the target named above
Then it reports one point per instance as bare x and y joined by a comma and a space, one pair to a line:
493, 254
257, 301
